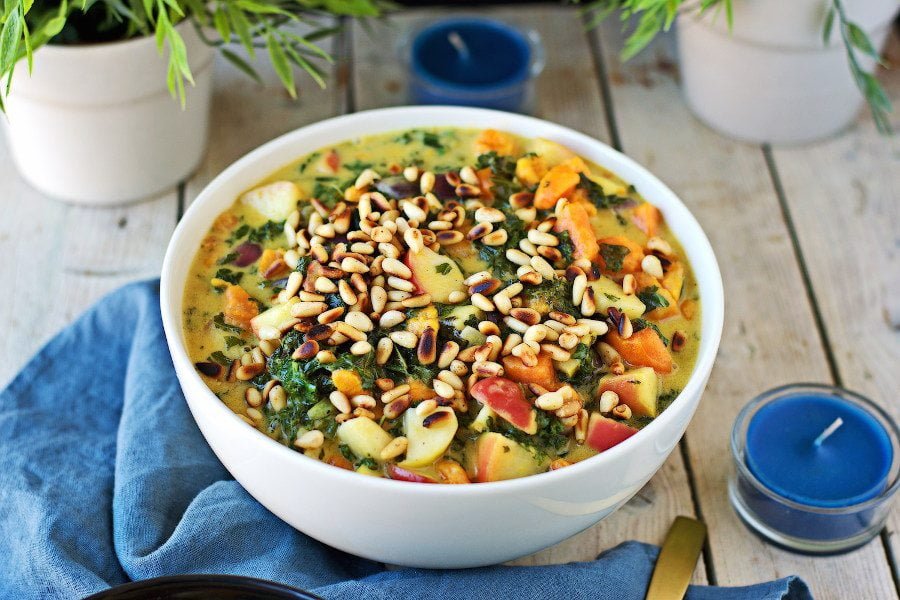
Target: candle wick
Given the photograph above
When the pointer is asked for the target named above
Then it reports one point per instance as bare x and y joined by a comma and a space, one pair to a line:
828, 431
459, 45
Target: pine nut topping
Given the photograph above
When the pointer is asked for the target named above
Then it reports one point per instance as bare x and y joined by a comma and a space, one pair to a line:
310, 440
652, 266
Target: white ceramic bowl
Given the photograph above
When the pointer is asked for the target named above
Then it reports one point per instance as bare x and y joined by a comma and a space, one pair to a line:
427, 525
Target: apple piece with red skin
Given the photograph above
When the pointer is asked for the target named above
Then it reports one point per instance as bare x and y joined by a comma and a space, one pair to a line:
434, 274
604, 433
497, 458
505, 398
401, 474
637, 388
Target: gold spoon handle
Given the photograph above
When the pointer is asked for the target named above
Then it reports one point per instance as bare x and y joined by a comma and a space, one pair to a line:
677, 560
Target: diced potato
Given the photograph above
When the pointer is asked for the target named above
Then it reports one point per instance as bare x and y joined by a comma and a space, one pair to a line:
425, 318
364, 470
480, 423
461, 314
427, 444
364, 437
472, 336
610, 187
530, 169
275, 201
274, 316
567, 367
608, 293
552, 152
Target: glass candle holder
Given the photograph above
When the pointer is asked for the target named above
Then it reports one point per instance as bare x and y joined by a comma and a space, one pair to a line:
816, 468
473, 62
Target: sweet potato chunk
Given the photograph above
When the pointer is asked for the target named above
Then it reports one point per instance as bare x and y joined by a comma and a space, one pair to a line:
629, 263
530, 169
647, 217
419, 390
239, 308
491, 140
559, 182
347, 381
643, 349
543, 374
575, 220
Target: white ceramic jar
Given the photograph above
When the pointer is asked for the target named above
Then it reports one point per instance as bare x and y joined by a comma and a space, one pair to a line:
95, 124
772, 78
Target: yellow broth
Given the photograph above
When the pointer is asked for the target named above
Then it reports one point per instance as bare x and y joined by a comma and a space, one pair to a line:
329, 175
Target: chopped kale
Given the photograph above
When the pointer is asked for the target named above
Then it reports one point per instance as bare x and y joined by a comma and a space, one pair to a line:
267, 231
639, 324
613, 255
586, 373
219, 322
232, 341
231, 256
308, 161
597, 196
611, 297
565, 246
357, 165
550, 440
369, 463
239, 233
328, 193
443, 268
426, 138
219, 357
232, 277
652, 299
503, 172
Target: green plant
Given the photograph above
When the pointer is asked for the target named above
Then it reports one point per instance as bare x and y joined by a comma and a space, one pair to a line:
652, 16
268, 25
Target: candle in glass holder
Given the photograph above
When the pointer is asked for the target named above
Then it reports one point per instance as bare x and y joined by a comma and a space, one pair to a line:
474, 62
816, 467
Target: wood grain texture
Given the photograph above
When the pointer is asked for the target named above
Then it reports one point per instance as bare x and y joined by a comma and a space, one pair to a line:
844, 199
62, 258
770, 336
568, 93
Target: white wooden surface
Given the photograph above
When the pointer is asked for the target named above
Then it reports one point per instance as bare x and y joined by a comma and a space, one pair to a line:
811, 265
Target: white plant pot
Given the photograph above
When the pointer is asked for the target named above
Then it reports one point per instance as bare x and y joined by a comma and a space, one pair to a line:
95, 124
772, 79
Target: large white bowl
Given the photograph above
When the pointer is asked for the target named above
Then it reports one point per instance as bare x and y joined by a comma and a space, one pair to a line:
419, 524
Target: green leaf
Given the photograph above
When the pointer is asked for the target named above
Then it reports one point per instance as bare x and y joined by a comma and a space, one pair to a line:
223, 27
829, 25
9, 42
54, 26
241, 27
241, 64
280, 64
26, 5
861, 41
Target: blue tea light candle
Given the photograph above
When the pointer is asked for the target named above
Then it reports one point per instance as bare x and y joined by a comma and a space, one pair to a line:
816, 467
474, 62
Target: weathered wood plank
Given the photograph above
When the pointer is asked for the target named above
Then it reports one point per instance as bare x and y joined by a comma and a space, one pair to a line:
770, 336
62, 258
843, 198
569, 93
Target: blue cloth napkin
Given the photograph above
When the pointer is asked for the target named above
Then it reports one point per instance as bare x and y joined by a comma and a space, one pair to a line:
105, 478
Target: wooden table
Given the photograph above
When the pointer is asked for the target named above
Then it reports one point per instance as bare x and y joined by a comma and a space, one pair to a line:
808, 240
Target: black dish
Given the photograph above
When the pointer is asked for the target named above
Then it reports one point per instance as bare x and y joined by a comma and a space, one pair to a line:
197, 587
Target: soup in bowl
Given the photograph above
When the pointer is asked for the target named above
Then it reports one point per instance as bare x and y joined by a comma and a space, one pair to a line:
440, 296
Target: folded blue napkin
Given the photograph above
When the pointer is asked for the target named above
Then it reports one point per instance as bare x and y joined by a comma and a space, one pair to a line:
105, 478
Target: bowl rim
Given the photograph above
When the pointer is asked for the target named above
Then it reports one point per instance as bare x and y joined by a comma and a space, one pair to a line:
392, 119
